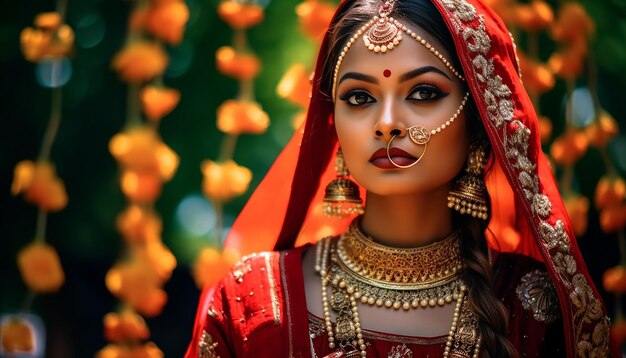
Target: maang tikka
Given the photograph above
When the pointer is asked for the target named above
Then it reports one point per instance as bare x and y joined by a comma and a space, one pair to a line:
469, 195
342, 194
382, 34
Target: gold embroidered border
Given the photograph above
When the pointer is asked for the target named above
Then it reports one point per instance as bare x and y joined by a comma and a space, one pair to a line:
270, 277
591, 328
207, 347
289, 322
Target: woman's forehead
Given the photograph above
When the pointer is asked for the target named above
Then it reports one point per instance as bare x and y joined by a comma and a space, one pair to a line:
407, 56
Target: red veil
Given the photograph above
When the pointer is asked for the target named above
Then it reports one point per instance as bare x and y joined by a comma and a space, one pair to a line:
528, 215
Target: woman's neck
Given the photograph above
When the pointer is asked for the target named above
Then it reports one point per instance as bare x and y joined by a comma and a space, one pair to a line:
408, 220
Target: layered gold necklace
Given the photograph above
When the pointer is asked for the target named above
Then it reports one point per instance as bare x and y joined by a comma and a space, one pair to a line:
359, 269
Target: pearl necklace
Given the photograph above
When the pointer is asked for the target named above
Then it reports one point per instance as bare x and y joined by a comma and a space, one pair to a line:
346, 289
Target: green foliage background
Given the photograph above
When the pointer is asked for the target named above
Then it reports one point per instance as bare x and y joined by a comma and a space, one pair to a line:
94, 110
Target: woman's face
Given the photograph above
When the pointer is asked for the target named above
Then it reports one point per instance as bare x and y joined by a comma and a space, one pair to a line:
379, 95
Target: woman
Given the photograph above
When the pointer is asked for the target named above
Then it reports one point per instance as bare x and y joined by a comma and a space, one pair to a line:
463, 248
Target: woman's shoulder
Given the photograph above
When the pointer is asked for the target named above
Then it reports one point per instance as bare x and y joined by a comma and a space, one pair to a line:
254, 284
526, 289
521, 280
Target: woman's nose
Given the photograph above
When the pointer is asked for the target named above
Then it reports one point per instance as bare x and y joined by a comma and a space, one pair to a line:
389, 123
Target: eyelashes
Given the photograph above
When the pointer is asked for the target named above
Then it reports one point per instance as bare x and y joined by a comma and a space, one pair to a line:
357, 97
421, 93
426, 92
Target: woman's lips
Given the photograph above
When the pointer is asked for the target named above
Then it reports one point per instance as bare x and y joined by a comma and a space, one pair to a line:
379, 158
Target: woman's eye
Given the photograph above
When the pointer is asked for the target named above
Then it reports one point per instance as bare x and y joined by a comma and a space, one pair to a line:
357, 98
425, 93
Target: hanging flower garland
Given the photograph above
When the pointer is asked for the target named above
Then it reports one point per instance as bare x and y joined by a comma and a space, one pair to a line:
146, 163
51, 40
295, 86
224, 179
572, 29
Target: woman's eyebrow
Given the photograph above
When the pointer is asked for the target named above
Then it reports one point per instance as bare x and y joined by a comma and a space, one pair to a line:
358, 76
405, 77
412, 74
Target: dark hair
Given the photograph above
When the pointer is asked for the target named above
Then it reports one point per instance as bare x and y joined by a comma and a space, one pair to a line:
493, 316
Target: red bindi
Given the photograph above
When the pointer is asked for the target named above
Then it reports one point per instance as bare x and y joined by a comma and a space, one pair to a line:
387, 73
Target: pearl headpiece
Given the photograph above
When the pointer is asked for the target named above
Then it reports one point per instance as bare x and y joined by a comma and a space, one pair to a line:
381, 35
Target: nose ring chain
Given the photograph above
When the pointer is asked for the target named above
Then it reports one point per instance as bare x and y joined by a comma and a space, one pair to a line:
421, 135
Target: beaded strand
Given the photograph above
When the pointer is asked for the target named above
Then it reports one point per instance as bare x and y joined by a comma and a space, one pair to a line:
379, 49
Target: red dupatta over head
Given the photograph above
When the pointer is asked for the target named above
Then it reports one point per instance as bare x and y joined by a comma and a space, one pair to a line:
528, 216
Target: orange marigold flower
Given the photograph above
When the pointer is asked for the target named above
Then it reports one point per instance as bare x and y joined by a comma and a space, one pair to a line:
140, 61
209, 267
569, 147
37, 44
567, 63
224, 181
242, 66
240, 15
50, 38
167, 19
504, 8
572, 23
139, 225
137, 284
602, 130
23, 176
146, 350
236, 117
298, 119
141, 186
150, 303
614, 279
135, 148
48, 20
141, 149
610, 191
545, 129
577, 207
167, 161
16, 336
618, 331
160, 259
137, 18
295, 85
125, 326
40, 185
534, 16
158, 101
613, 218
315, 17
40, 267
537, 77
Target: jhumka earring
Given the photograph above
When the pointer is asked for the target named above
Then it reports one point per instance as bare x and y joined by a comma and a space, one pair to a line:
342, 194
469, 193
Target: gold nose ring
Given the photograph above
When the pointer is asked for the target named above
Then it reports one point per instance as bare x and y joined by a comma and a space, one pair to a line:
404, 166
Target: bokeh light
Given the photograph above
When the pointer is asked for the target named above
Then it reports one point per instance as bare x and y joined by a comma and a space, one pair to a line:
180, 59
90, 30
618, 151
582, 103
195, 215
53, 73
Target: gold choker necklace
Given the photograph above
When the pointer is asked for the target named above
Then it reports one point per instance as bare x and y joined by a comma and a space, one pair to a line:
358, 269
400, 268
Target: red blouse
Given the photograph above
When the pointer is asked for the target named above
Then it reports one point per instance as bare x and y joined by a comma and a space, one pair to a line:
259, 310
